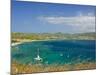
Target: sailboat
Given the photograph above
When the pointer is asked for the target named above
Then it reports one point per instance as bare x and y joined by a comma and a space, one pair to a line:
38, 58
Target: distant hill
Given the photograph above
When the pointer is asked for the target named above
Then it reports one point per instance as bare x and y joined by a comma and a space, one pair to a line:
87, 36
44, 36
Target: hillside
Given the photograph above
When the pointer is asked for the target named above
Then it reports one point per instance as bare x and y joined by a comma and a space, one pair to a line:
47, 36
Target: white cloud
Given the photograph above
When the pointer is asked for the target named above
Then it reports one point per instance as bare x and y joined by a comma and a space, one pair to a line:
80, 22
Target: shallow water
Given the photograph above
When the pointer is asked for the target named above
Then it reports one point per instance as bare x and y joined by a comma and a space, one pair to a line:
55, 52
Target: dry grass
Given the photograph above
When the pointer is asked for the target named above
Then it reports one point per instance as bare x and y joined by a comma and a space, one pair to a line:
22, 68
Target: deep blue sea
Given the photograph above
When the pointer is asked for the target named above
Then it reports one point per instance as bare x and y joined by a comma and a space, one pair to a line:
56, 51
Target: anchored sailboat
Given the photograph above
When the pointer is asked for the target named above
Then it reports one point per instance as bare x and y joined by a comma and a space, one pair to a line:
38, 58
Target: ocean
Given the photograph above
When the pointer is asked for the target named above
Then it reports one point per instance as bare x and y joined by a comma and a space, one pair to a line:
55, 52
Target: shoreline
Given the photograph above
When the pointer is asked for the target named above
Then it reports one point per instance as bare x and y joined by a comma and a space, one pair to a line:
23, 41
20, 42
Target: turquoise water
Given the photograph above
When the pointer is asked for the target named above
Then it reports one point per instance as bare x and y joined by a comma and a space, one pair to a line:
58, 51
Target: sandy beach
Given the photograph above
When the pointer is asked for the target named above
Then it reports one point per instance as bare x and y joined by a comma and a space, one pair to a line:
20, 42
23, 41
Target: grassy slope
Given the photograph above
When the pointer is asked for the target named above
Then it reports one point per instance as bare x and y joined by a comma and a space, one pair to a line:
22, 68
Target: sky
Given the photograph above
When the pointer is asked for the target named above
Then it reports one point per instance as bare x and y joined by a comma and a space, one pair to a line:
37, 17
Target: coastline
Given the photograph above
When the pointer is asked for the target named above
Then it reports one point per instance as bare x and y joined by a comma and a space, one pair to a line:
23, 41
20, 42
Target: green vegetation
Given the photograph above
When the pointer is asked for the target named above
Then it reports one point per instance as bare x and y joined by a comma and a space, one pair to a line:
16, 37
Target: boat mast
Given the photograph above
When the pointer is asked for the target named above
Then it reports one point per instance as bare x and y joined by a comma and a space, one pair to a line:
38, 58
38, 52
